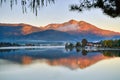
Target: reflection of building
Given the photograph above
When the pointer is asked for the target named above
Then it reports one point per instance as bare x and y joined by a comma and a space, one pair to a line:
89, 48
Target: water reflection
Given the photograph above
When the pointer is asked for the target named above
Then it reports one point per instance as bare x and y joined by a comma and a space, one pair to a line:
73, 59
7, 50
26, 60
84, 52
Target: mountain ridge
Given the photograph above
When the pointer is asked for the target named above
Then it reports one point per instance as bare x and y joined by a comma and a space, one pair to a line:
24, 28
80, 26
73, 30
55, 25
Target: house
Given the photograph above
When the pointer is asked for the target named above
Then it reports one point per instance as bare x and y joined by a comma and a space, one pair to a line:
97, 44
92, 46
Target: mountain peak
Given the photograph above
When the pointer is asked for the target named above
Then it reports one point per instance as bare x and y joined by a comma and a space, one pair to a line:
72, 21
83, 22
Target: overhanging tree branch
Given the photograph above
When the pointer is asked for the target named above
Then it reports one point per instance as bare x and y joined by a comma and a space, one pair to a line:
34, 5
109, 7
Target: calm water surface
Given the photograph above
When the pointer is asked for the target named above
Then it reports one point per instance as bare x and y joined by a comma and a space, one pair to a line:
59, 64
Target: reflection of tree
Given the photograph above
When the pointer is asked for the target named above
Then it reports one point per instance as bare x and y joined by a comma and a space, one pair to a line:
69, 46
78, 44
7, 50
34, 5
111, 53
109, 7
84, 52
78, 49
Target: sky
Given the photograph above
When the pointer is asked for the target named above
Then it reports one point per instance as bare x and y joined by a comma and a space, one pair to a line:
58, 13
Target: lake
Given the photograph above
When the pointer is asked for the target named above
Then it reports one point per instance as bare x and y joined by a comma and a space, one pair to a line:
59, 64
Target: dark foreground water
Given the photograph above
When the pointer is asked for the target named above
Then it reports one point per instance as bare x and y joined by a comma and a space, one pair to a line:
59, 64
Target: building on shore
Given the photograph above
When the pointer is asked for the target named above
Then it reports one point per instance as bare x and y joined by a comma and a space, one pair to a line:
92, 46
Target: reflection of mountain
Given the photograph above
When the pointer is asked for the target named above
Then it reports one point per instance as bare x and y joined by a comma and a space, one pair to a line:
72, 30
58, 57
26, 60
77, 62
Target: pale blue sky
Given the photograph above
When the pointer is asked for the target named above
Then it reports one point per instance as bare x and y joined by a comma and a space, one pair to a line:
58, 13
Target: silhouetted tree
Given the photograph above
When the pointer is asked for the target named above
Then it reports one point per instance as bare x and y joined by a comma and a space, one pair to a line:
109, 7
78, 44
84, 42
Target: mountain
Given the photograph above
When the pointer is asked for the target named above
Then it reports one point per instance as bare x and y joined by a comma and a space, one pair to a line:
18, 29
80, 27
71, 30
8, 31
51, 35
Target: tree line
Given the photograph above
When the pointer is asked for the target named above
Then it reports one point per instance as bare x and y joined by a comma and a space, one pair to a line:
111, 43
7, 44
83, 43
104, 44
